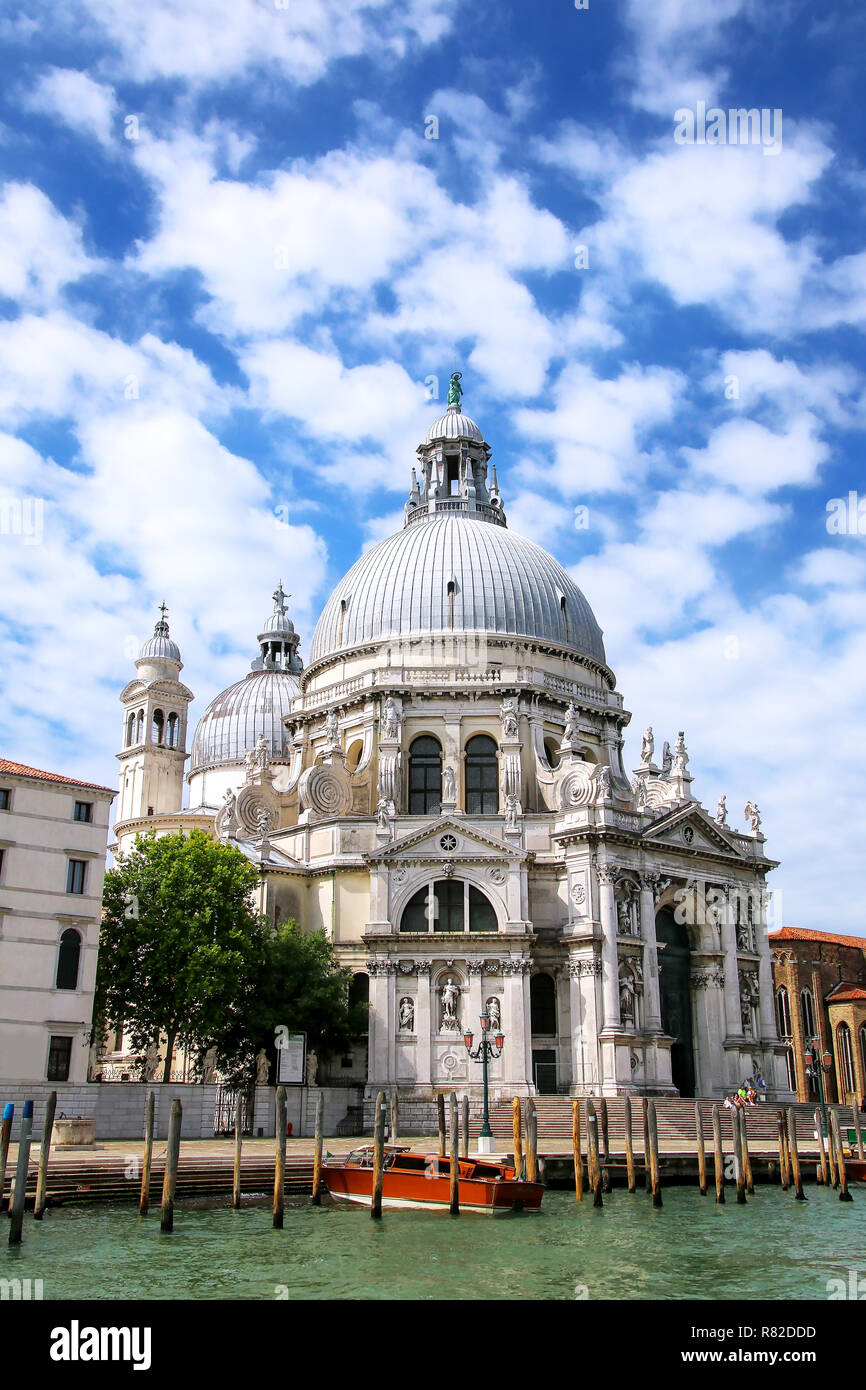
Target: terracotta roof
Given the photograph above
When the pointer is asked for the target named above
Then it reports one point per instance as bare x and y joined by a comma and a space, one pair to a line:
845, 993
810, 934
21, 770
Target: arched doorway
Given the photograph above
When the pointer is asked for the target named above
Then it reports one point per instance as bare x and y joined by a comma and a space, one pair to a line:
676, 1004
542, 1014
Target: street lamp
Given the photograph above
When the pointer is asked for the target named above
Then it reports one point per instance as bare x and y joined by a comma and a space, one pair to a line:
816, 1068
487, 1049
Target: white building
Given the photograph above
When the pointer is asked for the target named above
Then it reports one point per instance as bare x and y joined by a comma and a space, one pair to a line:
53, 833
442, 790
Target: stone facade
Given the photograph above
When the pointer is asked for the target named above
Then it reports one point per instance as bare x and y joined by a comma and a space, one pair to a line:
820, 987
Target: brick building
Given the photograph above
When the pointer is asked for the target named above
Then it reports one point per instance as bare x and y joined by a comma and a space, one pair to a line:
819, 980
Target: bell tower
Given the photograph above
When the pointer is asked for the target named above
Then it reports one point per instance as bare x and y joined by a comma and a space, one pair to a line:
153, 743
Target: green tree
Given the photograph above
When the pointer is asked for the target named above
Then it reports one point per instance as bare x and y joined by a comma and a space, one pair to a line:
300, 988
182, 944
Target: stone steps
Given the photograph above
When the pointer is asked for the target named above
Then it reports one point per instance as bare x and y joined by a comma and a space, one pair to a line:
676, 1121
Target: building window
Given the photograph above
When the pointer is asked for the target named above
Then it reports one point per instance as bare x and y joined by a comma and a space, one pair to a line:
83, 811
482, 777
542, 1006
68, 958
846, 1058
808, 1010
792, 1070
139, 727
172, 730
59, 1059
783, 1013
449, 905
75, 876
157, 729
425, 776
4, 798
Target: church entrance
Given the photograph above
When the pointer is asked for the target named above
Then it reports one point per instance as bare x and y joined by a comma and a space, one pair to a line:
676, 1004
544, 1070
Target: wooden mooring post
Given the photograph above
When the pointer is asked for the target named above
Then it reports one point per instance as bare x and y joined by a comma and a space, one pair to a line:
172, 1155
647, 1167
747, 1158
858, 1133
784, 1157
147, 1161
531, 1142
379, 1153
5, 1136
831, 1155
44, 1154
795, 1155
718, 1157
516, 1135
739, 1172
844, 1194
575, 1146
654, 1154
316, 1194
440, 1120
280, 1127
16, 1225
239, 1144
701, 1149
593, 1161
605, 1145
464, 1127
823, 1174
629, 1150
454, 1166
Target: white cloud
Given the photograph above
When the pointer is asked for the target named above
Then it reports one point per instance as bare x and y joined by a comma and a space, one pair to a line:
40, 250
751, 457
78, 101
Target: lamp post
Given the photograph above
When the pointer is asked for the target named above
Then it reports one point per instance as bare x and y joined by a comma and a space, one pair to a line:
816, 1067
487, 1049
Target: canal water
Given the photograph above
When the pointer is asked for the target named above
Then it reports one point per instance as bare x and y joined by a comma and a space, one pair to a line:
775, 1247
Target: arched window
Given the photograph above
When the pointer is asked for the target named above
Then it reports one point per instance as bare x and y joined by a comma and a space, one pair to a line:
68, 958
846, 1059
139, 727
783, 1013
551, 748
130, 730
172, 730
542, 1006
808, 1010
792, 1070
157, 729
425, 776
449, 905
482, 777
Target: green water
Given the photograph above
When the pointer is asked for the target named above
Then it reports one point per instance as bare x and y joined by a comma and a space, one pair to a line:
773, 1248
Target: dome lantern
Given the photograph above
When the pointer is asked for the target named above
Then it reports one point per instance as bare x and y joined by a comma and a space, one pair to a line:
453, 466
160, 647
278, 641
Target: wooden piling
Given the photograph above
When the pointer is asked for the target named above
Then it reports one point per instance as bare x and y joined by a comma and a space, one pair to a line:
747, 1158
844, 1194
655, 1168
516, 1135
280, 1128
316, 1194
648, 1181
454, 1167
395, 1116
531, 1142
701, 1150
593, 1161
831, 1155
784, 1164
16, 1205
605, 1145
172, 1154
739, 1171
239, 1143
823, 1171
144, 1197
464, 1127
795, 1155
575, 1146
44, 1153
629, 1150
379, 1151
5, 1136
440, 1119
718, 1157
858, 1133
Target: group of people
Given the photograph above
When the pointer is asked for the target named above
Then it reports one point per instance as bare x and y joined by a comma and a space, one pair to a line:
753, 1089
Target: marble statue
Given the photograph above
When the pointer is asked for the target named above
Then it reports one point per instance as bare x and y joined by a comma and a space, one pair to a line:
312, 1067
407, 1014
508, 715
449, 785
722, 811
494, 1013
332, 729
667, 758
623, 912
382, 824
449, 994
390, 719
263, 1067
512, 811
647, 745
570, 732
681, 757
151, 1061
604, 785
626, 996
208, 1067
257, 759
753, 816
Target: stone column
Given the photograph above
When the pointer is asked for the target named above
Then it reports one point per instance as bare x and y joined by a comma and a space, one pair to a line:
516, 1024
765, 987
378, 1022
653, 1019
607, 876
733, 1014
584, 1026
423, 1023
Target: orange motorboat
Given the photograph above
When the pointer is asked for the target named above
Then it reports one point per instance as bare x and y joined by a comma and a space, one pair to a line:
422, 1180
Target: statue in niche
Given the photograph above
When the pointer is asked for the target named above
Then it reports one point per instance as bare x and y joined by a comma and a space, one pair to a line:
647, 745
667, 758
449, 785
722, 811
626, 996
390, 719
407, 1014
623, 911
263, 1067
494, 1013
508, 715
449, 994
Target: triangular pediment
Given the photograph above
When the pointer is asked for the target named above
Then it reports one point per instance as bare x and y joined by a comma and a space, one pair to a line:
690, 829
426, 843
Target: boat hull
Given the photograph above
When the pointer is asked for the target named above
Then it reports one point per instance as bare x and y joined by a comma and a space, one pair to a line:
405, 1191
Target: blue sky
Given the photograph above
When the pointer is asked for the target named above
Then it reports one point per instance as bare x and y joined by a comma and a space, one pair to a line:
230, 259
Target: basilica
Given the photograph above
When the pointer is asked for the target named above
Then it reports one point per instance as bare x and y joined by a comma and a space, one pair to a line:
441, 789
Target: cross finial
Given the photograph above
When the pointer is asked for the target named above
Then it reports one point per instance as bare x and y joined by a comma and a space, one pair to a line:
163, 610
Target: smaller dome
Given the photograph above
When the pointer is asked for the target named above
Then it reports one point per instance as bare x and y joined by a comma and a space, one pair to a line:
237, 717
277, 625
454, 425
160, 647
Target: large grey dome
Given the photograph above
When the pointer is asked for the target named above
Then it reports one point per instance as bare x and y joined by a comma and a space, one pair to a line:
238, 716
456, 573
